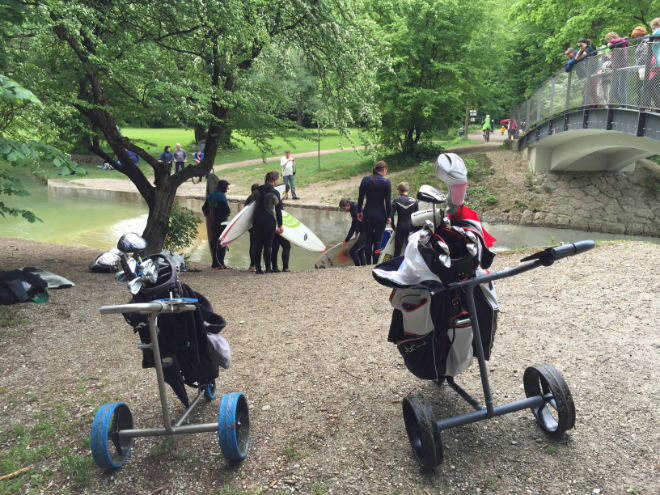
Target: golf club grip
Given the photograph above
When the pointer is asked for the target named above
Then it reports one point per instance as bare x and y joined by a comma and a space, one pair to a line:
571, 249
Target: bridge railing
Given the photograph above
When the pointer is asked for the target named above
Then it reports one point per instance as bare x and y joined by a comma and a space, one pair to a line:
611, 78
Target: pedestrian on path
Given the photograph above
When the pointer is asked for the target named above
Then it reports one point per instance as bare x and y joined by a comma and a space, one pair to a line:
180, 158
288, 164
166, 157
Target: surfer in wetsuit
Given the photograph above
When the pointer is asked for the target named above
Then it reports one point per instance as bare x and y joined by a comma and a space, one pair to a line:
404, 206
377, 213
279, 241
357, 251
267, 220
216, 209
254, 261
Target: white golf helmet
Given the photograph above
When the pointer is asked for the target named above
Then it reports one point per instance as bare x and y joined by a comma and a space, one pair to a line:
451, 170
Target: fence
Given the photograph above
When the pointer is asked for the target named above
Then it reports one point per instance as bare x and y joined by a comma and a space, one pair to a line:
610, 78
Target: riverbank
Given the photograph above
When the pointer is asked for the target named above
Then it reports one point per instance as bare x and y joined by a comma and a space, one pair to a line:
325, 387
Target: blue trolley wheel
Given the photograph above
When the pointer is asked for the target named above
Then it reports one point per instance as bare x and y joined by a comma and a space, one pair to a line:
234, 426
108, 449
210, 390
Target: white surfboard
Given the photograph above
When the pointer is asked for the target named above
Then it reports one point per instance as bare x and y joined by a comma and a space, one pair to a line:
242, 222
388, 251
298, 233
337, 256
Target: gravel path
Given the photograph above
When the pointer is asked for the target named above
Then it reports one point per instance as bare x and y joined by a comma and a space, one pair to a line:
325, 387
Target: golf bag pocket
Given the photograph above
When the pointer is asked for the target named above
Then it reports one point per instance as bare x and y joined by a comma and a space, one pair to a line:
422, 356
459, 356
415, 307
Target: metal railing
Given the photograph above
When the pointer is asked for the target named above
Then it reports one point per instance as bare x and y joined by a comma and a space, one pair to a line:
610, 78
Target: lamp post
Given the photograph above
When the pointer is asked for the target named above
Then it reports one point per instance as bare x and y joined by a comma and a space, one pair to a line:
318, 126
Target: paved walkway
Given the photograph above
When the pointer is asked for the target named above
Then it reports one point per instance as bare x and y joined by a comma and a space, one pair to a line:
188, 189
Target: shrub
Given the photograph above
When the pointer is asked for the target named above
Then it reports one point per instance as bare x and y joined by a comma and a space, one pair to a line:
182, 228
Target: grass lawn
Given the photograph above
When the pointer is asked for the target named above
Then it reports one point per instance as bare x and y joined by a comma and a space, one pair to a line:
340, 165
154, 141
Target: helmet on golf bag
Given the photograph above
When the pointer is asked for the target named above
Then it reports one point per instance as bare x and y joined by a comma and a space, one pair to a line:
451, 170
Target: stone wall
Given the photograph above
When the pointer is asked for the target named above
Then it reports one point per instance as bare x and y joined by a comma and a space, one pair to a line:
619, 203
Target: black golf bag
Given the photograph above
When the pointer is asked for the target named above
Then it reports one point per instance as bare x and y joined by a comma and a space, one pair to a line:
187, 340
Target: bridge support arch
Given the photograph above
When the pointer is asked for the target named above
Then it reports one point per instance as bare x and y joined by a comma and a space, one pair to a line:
590, 150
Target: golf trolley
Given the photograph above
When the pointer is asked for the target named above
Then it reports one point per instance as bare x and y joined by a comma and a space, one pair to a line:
440, 273
113, 431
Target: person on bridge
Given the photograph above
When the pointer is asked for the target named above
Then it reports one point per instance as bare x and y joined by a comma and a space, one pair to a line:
377, 190
618, 48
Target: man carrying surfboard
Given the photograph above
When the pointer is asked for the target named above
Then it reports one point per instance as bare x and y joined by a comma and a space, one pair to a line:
267, 220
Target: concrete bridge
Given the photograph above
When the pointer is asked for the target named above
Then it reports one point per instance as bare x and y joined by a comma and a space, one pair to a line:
595, 117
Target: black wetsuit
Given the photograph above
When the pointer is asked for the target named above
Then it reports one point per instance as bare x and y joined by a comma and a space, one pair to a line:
357, 251
378, 208
278, 241
254, 260
267, 217
217, 207
404, 206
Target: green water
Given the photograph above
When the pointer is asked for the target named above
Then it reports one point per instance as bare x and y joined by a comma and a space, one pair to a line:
71, 221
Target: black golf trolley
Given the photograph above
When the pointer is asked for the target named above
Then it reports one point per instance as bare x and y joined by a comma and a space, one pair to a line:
162, 324
460, 283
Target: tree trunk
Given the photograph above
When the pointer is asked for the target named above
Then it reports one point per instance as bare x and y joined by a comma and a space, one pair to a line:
299, 110
200, 132
157, 221
409, 142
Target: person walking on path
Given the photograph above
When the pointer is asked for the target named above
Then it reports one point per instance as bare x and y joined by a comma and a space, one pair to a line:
267, 220
288, 165
404, 206
166, 157
357, 251
216, 209
180, 158
487, 127
377, 190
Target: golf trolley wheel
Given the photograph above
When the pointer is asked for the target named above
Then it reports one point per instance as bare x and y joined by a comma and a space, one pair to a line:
558, 414
234, 426
108, 450
422, 431
210, 390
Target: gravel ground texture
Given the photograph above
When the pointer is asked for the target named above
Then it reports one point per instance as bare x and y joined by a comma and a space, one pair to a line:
325, 388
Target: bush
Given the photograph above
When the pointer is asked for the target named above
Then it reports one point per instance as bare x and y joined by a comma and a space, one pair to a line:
181, 229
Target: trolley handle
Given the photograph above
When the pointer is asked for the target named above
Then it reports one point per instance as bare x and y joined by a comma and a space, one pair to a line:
550, 255
164, 306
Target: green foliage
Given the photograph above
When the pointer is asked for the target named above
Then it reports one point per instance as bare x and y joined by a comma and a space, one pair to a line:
181, 228
479, 196
432, 66
14, 97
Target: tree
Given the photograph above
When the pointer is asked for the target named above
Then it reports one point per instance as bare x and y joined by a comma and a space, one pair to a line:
113, 58
17, 151
435, 64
